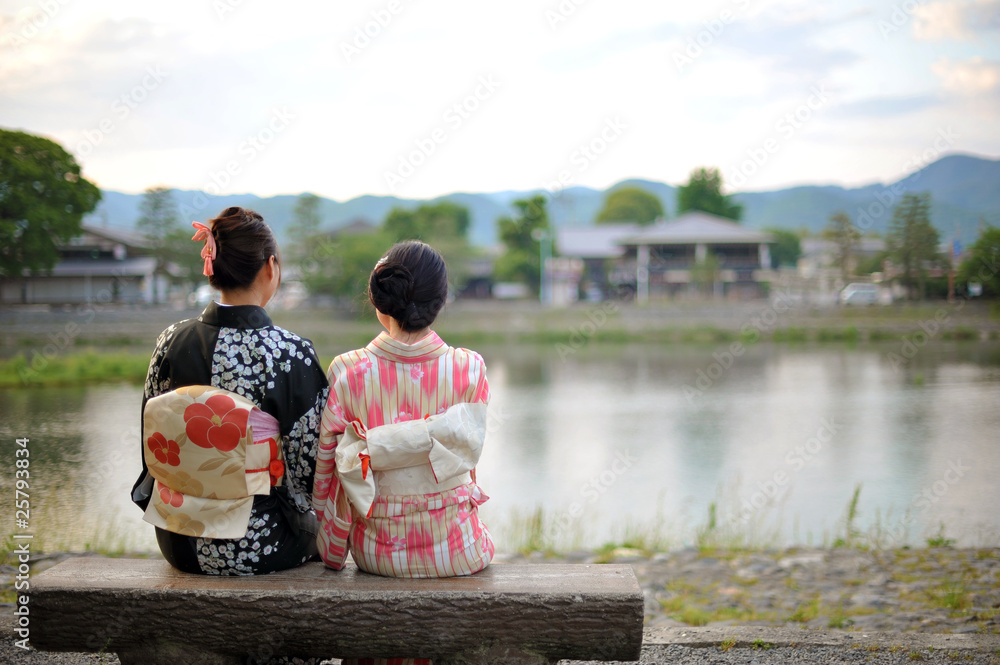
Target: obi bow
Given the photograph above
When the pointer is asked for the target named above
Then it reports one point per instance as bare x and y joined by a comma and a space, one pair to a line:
449, 442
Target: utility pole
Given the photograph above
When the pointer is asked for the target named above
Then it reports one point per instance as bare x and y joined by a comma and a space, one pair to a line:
951, 266
544, 238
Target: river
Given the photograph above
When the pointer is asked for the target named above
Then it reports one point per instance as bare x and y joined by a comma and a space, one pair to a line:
631, 443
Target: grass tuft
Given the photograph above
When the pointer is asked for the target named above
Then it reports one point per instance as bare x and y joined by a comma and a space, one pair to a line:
805, 613
939, 540
851, 532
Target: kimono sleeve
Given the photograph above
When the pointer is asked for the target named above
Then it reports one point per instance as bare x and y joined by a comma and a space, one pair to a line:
332, 426
299, 398
331, 504
478, 371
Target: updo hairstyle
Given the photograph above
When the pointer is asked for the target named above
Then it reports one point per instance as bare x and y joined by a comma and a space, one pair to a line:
410, 284
245, 243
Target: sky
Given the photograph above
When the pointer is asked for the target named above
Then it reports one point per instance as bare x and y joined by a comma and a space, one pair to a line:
421, 98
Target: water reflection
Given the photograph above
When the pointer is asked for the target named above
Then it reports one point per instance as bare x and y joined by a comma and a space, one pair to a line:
84, 452
612, 435
895, 432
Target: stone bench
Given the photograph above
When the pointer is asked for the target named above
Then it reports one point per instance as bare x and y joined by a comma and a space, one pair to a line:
147, 612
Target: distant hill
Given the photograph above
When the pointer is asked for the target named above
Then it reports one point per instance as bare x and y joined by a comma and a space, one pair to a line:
963, 188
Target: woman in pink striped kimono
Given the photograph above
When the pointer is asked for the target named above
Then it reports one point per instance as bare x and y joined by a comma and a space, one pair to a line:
401, 434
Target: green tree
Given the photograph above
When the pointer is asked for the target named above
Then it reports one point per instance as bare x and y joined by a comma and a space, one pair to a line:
787, 247
183, 254
520, 261
443, 225
872, 263
344, 264
912, 241
159, 221
430, 222
43, 200
158, 216
704, 192
630, 204
305, 247
845, 236
982, 264
306, 219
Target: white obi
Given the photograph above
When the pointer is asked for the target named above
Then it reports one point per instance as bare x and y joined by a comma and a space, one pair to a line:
425, 456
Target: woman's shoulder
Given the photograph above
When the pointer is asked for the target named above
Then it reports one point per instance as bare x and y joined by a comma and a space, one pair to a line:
287, 349
164, 339
279, 334
350, 360
266, 340
468, 354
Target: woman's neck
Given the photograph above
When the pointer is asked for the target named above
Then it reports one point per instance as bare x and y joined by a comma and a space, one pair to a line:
241, 297
400, 335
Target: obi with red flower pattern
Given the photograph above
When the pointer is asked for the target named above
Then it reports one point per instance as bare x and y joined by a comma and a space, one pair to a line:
210, 452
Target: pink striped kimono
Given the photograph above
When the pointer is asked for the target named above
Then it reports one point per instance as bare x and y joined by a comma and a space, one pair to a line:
432, 534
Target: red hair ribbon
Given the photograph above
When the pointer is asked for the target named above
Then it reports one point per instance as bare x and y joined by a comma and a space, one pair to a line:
209, 251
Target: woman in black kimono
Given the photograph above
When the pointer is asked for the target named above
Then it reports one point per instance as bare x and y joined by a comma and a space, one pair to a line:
234, 346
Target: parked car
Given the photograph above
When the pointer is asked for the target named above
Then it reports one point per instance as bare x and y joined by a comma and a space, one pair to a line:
859, 294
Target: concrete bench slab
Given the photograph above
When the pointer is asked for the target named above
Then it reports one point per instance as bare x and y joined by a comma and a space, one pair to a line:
147, 612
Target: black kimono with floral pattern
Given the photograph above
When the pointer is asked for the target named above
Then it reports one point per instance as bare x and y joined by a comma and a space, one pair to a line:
239, 349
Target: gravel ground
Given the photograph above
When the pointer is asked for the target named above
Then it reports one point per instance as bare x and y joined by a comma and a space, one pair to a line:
927, 590
679, 655
674, 654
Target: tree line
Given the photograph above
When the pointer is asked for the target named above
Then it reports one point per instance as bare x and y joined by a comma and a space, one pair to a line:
44, 197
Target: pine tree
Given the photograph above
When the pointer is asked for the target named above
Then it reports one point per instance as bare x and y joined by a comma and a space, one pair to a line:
846, 237
912, 240
704, 192
159, 221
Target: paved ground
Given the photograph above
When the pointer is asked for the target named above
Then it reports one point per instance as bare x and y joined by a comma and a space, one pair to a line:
704, 646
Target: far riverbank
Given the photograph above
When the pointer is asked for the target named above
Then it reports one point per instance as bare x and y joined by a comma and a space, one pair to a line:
490, 321
42, 345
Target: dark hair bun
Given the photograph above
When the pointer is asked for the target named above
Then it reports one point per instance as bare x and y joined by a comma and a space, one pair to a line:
410, 284
418, 317
245, 243
394, 281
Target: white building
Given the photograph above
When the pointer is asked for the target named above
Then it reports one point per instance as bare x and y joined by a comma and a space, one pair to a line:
682, 255
99, 265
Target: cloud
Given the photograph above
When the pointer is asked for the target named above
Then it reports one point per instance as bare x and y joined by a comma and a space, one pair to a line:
68, 81
974, 76
886, 106
960, 21
794, 42
599, 48
83, 67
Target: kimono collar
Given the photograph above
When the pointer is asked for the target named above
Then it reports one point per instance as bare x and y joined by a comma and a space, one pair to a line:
235, 316
429, 346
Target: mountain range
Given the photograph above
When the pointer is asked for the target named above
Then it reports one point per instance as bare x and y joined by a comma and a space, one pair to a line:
965, 191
